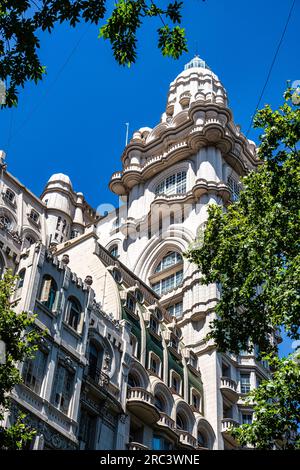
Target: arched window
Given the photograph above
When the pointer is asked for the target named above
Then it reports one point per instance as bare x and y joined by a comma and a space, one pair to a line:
168, 274
95, 361
201, 439
133, 380
5, 221
73, 313
48, 291
175, 383
10, 196
114, 251
21, 276
181, 422
29, 240
169, 260
159, 402
173, 184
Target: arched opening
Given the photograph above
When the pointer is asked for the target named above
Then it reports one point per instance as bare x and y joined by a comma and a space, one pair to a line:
160, 402
168, 273
6, 222
181, 421
114, 250
133, 380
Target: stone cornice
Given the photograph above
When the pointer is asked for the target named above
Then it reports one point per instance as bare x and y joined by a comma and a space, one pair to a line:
208, 125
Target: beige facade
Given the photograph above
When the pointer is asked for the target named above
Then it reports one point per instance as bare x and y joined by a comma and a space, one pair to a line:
140, 373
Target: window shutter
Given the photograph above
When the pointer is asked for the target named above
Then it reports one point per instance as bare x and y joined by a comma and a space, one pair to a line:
80, 323
46, 290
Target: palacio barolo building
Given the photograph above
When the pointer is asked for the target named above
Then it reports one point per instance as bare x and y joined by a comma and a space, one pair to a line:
124, 363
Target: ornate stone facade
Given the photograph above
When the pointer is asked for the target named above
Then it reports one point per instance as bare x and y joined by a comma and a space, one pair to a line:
125, 363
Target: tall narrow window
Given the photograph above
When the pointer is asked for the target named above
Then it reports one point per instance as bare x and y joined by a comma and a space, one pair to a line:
34, 216
154, 364
63, 388
87, 429
95, 362
9, 195
235, 188
21, 277
34, 371
131, 303
48, 292
73, 313
245, 383
175, 382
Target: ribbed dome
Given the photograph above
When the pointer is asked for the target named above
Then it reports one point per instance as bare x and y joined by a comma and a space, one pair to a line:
61, 178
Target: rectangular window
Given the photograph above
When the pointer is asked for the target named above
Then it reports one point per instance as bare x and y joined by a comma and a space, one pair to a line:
34, 371
235, 188
63, 388
195, 401
130, 303
174, 343
175, 383
194, 361
87, 429
153, 324
168, 283
154, 365
176, 310
245, 383
247, 418
34, 216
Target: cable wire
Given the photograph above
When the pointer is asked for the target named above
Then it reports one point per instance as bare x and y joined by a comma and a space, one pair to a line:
272, 65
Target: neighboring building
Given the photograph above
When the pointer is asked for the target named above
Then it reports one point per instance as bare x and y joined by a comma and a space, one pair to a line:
125, 363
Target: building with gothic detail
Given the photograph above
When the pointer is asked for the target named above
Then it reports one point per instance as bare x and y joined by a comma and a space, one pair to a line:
124, 363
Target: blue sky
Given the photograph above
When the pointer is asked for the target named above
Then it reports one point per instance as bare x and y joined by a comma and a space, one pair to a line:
74, 121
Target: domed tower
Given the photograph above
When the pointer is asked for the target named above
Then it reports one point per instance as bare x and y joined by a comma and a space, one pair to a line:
170, 174
67, 211
57, 196
194, 156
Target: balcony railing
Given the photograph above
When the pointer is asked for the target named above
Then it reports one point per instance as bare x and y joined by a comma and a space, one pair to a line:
140, 394
141, 403
165, 420
226, 382
186, 438
228, 424
97, 376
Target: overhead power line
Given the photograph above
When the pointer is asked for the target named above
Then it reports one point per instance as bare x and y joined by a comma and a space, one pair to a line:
272, 64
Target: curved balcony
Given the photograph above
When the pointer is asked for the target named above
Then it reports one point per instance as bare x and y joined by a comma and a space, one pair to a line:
167, 424
229, 389
227, 425
136, 446
140, 402
186, 439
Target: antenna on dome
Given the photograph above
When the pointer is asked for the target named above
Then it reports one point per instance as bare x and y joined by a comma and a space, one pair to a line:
127, 129
196, 49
